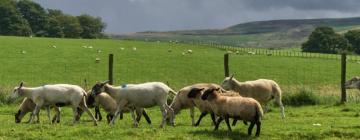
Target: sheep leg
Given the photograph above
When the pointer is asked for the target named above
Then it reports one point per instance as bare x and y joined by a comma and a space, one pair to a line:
97, 113
213, 118
117, 112
136, 124
48, 114
84, 107
192, 115
163, 112
56, 117
258, 127
234, 122
218, 123
203, 114
250, 128
227, 122
75, 114
121, 115
171, 114
282, 108
146, 117
34, 113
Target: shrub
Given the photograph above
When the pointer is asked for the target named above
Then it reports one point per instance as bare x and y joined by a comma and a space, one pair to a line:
303, 97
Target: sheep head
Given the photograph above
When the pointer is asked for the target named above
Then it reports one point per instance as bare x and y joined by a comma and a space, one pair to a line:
195, 92
227, 82
97, 88
210, 93
353, 83
17, 91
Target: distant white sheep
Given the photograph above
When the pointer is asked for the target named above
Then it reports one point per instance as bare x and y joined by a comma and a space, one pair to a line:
237, 107
263, 90
139, 95
48, 95
189, 51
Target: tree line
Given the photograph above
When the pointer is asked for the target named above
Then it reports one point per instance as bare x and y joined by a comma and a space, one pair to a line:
27, 18
325, 40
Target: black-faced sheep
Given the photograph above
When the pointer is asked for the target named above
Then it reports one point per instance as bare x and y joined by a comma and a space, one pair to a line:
237, 107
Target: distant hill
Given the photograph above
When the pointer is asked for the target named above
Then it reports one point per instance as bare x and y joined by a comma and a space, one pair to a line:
273, 33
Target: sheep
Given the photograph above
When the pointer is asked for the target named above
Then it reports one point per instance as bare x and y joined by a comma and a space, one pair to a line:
237, 107
54, 94
262, 90
140, 96
353, 83
28, 105
109, 105
182, 101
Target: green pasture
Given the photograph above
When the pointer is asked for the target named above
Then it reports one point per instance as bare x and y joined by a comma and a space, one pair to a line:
39, 61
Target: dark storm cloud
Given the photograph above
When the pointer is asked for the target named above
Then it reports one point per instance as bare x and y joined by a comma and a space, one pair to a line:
124, 16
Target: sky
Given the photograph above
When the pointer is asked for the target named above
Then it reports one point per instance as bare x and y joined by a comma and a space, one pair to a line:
127, 16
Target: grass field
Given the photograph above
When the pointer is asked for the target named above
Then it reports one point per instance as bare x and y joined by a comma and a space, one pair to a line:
36, 62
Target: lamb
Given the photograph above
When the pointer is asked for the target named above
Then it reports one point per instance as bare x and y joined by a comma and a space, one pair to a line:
262, 90
48, 95
109, 105
182, 101
237, 107
353, 83
27, 106
140, 96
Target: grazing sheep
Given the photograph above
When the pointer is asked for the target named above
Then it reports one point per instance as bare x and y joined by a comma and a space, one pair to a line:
54, 94
27, 106
262, 90
140, 96
237, 107
189, 51
353, 83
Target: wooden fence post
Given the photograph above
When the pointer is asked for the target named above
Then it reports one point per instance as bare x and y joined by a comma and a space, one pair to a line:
226, 64
343, 76
111, 60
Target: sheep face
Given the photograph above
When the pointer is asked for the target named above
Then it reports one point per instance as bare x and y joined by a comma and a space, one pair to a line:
195, 93
353, 83
226, 84
97, 89
17, 92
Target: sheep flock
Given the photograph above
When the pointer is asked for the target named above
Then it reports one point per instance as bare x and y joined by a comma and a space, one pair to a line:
246, 101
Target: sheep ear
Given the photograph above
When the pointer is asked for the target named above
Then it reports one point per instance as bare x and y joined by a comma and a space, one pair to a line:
21, 84
105, 82
232, 76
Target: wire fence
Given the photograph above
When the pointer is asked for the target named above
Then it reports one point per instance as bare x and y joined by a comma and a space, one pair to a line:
292, 70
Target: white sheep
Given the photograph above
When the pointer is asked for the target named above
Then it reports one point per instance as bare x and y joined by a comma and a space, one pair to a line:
27, 105
262, 90
353, 83
237, 107
189, 51
138, 95
54, 94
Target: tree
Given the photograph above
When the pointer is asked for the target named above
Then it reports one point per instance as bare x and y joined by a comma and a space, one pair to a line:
354, 39
92, 27
11, 21
35, 15
325, 40
69, 25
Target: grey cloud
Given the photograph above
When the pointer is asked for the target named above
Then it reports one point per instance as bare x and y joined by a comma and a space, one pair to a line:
124, 16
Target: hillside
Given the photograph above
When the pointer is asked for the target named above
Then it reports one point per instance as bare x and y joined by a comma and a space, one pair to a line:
264, 34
